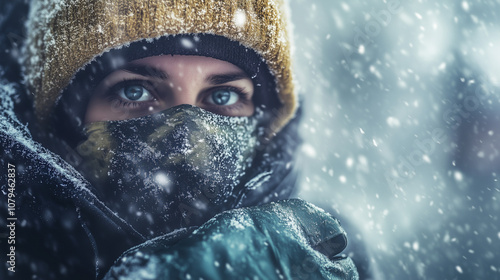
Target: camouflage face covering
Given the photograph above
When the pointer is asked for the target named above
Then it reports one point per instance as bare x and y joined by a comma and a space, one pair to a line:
169, 170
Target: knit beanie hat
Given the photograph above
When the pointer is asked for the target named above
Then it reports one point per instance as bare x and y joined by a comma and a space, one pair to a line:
66, 36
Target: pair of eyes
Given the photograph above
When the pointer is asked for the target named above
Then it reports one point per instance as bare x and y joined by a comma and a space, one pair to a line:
219, 97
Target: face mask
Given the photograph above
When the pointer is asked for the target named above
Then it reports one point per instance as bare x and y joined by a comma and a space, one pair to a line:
169, 170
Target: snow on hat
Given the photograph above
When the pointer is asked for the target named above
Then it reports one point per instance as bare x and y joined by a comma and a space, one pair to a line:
66, 35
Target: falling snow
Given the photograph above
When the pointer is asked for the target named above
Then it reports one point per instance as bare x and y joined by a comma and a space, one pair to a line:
401, 107
413, 91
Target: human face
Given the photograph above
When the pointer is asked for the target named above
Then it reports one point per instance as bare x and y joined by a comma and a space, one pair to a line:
153, 84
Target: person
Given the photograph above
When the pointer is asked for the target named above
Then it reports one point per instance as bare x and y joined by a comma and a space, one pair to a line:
164, 138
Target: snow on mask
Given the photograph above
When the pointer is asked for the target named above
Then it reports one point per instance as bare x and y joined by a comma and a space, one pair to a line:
169, 170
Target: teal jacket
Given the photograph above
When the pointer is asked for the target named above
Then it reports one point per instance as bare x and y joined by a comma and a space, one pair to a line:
288, 239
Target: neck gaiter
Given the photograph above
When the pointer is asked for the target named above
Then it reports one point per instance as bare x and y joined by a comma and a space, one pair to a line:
169, 170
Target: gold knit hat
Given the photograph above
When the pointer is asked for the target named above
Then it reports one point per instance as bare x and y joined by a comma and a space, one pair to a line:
66, 35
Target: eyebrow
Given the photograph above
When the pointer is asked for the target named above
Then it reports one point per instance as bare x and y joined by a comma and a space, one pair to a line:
218, 79
146, 71
149, 71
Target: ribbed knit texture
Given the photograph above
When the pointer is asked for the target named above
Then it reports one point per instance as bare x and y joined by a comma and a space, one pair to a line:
66, 35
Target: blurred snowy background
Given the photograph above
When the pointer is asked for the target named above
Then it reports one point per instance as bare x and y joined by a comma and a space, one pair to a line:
402, 129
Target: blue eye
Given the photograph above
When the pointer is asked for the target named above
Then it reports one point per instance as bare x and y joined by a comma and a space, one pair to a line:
135, 93
223, 97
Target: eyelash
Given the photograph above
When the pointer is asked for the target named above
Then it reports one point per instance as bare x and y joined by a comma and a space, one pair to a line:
112, 95
243, 99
